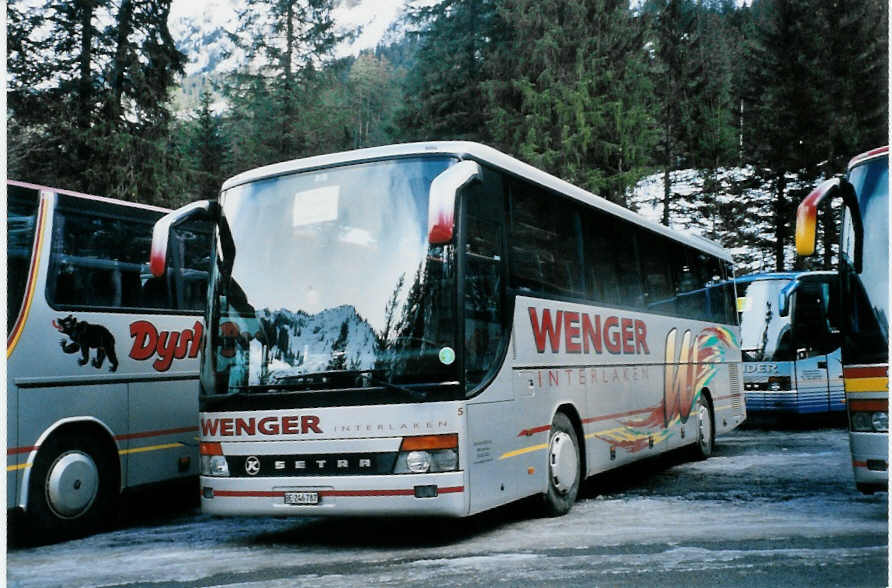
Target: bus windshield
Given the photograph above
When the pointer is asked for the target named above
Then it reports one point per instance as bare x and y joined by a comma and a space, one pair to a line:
867, 292
332, 284
765, 335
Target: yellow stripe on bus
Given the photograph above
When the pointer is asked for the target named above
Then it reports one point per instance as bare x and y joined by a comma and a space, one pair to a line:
150, 448
867, 384
517, 452
23, 466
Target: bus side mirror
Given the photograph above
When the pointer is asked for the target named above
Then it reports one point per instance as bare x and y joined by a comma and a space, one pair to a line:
441, 207
208, 209
807, 216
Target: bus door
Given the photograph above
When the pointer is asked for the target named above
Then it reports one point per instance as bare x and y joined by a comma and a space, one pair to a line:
814, 339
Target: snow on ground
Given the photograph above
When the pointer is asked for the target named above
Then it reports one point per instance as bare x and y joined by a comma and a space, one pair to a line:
765, 500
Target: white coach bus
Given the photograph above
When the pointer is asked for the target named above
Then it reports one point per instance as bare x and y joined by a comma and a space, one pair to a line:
439, 329
101, 356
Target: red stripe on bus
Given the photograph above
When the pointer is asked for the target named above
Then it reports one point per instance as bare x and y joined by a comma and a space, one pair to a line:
533, 431
606, 417
17, 450
142, 435
277, 494
868, 405
618, 415
874, 371
859, 464
868, 155
247, 494
145, 434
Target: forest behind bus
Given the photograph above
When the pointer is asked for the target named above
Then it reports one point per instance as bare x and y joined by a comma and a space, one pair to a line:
714, 115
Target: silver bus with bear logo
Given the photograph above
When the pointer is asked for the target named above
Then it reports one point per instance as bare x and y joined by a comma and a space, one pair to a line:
101, 356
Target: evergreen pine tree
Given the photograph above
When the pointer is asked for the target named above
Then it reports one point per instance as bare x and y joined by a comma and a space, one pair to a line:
786, 111
208, 150
443, 95
288, 42
575, 97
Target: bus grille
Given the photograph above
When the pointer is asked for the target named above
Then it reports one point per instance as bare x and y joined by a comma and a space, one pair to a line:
734, 381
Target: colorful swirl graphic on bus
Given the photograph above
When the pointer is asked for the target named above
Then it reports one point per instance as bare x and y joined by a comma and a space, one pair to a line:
690, 365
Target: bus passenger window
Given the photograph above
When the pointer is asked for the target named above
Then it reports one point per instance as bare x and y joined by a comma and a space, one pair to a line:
21, 222
656, 264
545, 239
483, 297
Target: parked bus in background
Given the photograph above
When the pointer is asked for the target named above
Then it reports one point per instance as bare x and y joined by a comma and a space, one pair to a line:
438, 329
864, 316
790, 343
101, 356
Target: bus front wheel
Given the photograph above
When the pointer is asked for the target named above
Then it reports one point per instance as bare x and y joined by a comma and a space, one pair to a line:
702, 449
72, 491
563, 466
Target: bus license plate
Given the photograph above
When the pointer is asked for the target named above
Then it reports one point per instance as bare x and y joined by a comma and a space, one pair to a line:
301, 498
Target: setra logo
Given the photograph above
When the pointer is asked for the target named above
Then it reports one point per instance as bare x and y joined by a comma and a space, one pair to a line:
252, 465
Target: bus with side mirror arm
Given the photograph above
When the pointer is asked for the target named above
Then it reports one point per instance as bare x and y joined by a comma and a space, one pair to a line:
864, 303
439, 329
101, 356
790, 343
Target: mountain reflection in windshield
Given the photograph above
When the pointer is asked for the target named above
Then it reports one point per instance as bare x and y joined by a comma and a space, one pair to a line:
334, 273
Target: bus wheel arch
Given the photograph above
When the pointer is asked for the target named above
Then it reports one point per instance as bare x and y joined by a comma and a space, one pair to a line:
74, 484
565, 466
704, 442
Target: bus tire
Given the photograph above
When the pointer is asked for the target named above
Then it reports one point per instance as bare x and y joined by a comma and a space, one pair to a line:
563, 467
705, 442
73, 490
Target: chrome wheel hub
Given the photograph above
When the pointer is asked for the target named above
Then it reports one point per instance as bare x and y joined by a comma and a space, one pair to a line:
705, 426
563, 462
72, 484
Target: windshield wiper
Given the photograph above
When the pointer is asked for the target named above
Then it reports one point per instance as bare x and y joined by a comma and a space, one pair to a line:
367, 377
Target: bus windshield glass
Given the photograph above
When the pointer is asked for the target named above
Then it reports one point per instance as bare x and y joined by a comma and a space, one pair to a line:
331, 284
867, 292
765, 335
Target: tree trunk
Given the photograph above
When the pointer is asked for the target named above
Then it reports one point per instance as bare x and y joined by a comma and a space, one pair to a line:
780, 219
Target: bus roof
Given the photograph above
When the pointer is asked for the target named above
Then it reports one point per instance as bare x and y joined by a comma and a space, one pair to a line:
87, 196
482, 154
780, 276
868, 155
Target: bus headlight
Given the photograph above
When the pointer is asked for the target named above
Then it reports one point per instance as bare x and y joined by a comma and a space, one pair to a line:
870, 422
427, 454
212, 462
880, 422
418, 462
778, 383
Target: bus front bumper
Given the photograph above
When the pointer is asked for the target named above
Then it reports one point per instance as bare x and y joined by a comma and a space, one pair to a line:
870, 459
440, 494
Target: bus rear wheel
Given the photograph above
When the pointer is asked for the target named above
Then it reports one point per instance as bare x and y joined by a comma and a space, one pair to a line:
563, 467
702, 449
72, 490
